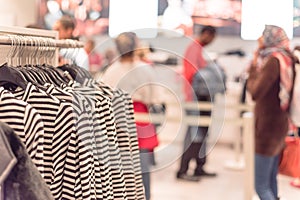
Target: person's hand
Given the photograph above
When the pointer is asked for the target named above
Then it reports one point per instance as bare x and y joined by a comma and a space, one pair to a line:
254, 62
62, 61
255, 58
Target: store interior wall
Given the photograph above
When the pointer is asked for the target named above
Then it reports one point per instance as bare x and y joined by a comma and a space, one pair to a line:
18, 12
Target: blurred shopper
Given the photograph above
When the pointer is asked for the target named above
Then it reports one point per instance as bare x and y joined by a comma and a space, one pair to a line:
194, 58
270, 84
194, 61
295, 105
143, 52
135, 77
65, 27
109, 56
95, 58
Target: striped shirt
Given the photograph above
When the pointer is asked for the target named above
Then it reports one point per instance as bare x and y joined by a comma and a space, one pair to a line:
57, 132
87, 179
26, 123
126, 136
100, 179
105, 132
89, 142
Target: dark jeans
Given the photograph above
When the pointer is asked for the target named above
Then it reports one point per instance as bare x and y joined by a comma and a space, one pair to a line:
194, 150
145, 166
195, 143
266, 169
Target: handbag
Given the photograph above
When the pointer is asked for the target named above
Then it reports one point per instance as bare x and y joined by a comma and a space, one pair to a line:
146, 131
290, 161
147, 136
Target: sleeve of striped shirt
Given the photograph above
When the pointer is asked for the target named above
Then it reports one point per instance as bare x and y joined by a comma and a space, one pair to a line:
34, 136
64, 155
134, 144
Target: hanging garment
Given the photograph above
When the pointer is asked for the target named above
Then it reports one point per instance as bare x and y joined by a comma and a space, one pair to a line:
7, 159
94, 138
24, 181
55, 117
79, 154
84, 142
88, 144
122, 107
27, 124
87, 165
138, 183
102, 110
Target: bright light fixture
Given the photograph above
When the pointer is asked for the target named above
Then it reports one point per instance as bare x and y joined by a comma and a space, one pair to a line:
257, 13
139, 16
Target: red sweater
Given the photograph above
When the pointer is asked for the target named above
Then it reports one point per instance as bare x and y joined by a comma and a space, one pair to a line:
192, 62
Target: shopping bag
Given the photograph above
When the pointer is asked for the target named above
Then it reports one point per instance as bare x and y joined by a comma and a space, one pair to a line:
290, 161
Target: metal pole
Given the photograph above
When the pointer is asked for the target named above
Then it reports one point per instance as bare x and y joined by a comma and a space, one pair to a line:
248, 141
6, 40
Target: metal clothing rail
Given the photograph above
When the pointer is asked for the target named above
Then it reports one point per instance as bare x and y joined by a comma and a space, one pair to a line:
15, 30
38, 41
15, 34
39, 33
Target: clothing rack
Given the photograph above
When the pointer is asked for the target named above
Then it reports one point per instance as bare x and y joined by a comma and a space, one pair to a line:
80, 133
33, 38
5, 30
49, 42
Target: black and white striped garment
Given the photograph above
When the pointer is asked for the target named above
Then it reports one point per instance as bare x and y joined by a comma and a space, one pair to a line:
76, 176
95, 146
123, 109
71, 182
123, 137
125, 144
135, 153
27, 124
57, 131
102, 110
127, 137
87, 166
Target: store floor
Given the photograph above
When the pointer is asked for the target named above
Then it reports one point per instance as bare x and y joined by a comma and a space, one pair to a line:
228, 185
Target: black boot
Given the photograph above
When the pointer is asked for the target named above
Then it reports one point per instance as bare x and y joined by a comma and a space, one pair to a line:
187, 177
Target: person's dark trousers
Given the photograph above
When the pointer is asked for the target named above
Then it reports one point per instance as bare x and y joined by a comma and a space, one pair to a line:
201, 156
145, 166
193, 144
203, 133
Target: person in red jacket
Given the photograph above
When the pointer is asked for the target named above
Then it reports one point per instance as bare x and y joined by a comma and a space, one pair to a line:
193, 58
192, 62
